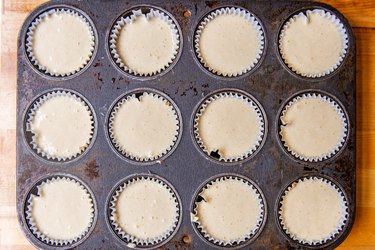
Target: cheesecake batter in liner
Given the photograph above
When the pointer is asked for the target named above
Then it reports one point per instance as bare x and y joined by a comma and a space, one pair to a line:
129, 17
231, 93
130, 240
336, 106
247, 15
340, 27
135, 94
248, 238
31, 112
343, 221
32, 226
30, 36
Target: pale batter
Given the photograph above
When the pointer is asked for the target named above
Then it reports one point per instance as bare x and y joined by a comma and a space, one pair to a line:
230, 125
312, 44
146, 209
62, 43
229, 44
312, 210
62, 126
146, 127
146, 45
312, 127
63, 209
230, 210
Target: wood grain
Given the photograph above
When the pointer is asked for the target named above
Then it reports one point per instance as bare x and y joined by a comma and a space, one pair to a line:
361, 15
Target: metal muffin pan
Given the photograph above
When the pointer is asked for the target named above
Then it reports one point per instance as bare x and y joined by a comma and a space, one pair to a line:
187, 84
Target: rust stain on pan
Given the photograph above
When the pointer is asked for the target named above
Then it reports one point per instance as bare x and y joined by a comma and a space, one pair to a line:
92, 170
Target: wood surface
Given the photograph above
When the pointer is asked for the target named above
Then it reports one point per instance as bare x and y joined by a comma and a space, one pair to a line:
361, 15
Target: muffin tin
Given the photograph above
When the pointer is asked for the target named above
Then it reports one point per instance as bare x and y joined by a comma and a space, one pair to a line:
101, 83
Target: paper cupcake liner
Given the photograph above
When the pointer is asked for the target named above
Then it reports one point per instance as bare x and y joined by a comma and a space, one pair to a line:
234, 94
230, 11
32, 112
344, 123
121, 23
233, 243
123, 151
32, 224
30, 39
340, 27
343, 219
131, 240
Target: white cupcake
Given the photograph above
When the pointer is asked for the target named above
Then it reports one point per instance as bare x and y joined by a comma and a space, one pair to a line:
144, 211
313, 127
313, 43
229, 211
222, 139
313, 211
61, 125
60, 42
61, 213
229, 41
144, 126
145, 44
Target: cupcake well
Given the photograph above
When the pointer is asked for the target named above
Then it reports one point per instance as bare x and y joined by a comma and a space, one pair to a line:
331, 236
255, 106
131, 240
248, 237
45, 16
126, 152
131, 16
227, 11
331, 18
30, 133
32, 224
336, 106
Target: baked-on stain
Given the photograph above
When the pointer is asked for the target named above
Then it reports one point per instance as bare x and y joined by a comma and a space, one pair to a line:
211, 3
92, 170
194, 89
98, 76
187, 13
177, 244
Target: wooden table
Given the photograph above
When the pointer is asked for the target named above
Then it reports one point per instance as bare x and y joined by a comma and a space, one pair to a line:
361, 14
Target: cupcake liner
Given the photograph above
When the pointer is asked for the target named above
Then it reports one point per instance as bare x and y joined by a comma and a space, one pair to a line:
33, 225
123, 151
343, 219
344, 122
30, 39
121, 23
260, 117
331, 17
230, 11
233, 243
32, 112
131, 240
